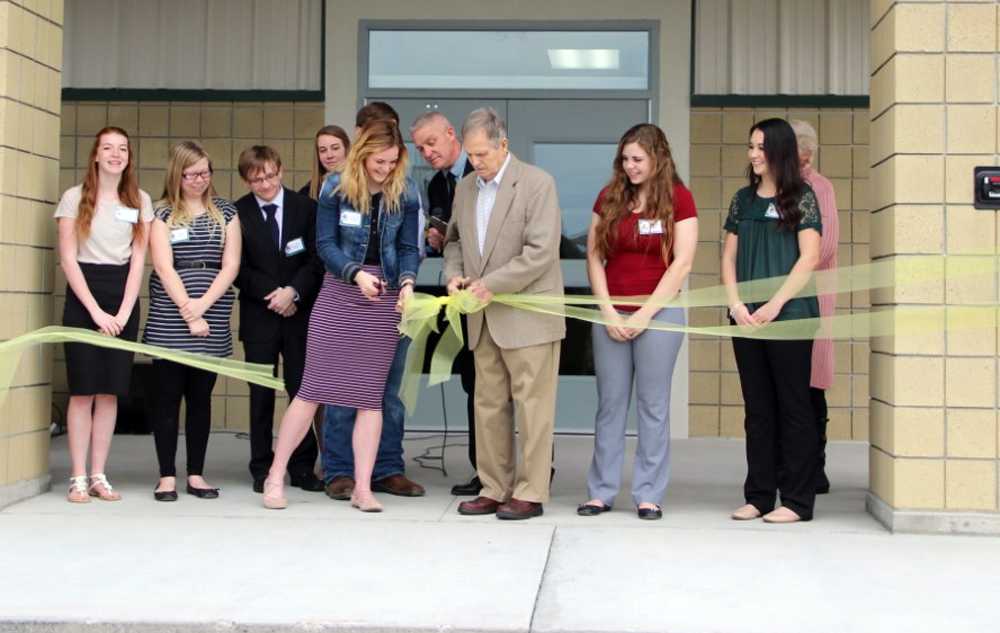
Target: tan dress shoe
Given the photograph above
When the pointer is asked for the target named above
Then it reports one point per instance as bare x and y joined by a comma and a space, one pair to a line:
747, 512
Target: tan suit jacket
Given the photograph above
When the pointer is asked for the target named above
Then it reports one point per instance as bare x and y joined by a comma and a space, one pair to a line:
520, 255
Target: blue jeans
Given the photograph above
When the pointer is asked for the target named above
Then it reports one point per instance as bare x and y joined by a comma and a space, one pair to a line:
338, 426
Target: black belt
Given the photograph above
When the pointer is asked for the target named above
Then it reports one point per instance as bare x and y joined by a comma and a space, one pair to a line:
197, 264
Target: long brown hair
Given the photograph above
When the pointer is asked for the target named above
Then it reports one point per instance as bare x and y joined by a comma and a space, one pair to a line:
376, 137
319, 172
128, 187
621, 196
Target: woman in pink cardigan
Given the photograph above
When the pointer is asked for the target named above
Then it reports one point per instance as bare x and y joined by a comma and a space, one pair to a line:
822, 354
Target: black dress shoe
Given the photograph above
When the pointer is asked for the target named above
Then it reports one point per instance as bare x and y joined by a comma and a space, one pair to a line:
165, 495
258, 485
203, 493
650, 514
470, 489
589, 510
308, 482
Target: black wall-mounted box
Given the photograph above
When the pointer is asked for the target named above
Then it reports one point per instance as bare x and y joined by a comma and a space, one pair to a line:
986, 188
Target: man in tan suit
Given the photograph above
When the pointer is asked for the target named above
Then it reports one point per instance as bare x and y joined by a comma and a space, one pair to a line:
504, 238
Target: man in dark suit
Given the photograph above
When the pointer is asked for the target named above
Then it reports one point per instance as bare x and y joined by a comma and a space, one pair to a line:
280, 275
435, 139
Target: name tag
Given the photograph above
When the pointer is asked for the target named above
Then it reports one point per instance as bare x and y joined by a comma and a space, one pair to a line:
179, 235
294, 247
127, 214
350, 218
772, 212
650, 227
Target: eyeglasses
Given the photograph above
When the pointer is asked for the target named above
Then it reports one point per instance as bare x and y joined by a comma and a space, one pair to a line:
260, 180
197, 175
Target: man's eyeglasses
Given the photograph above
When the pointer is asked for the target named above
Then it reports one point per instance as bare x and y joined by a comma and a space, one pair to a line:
260, 180
197, 175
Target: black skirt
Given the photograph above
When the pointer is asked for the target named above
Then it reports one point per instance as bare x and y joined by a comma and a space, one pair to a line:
92, 370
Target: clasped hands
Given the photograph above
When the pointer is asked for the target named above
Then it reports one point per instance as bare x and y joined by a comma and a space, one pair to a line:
623, 329
110, 325
761, 316
192, 311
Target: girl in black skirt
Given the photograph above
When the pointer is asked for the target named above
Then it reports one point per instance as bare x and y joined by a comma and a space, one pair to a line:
103, 233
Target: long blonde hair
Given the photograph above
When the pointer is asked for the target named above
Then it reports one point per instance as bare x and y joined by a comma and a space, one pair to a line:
182, 156
376, 137
319, 172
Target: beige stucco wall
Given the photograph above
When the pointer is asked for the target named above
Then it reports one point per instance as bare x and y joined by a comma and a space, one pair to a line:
934, 430
30, 59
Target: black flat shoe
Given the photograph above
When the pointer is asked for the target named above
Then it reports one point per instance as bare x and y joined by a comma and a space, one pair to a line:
203, 493
650, 514
308, 482
258, 485
588, 510
165, 495
470, 489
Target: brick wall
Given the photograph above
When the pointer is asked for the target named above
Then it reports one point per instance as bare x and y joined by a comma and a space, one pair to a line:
225, 129
718, 164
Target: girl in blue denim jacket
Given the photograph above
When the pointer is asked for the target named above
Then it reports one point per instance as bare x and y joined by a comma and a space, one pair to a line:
367, 237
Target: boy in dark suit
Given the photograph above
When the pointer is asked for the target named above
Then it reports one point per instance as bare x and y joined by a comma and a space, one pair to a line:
280, 275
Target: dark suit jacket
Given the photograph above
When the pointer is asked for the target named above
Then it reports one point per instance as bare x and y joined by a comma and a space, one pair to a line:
263, 268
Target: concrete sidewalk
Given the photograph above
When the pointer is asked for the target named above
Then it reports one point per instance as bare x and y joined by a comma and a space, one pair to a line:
228, 564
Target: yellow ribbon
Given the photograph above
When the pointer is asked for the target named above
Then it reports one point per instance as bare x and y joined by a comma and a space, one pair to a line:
902, 275
10, 356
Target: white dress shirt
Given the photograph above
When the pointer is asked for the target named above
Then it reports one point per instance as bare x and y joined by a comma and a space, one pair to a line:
485, 200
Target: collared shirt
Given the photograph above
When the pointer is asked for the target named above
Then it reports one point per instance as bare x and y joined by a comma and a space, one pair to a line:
485, 200
458, 167
279, 201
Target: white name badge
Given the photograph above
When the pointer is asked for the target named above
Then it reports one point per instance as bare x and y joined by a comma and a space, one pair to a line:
350, 218
294, 247
772, 212
650, 227
127, 214
179, 235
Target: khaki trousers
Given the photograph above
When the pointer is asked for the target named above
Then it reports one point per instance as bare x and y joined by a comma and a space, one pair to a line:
515, 384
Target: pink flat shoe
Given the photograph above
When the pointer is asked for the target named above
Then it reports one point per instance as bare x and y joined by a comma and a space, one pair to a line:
274, 495
747, 512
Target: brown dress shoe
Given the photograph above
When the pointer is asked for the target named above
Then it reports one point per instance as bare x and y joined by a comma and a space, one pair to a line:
340, 488
515, 509
479, 505
398, 485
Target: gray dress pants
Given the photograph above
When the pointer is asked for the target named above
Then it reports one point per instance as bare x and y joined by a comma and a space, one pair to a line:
649, 359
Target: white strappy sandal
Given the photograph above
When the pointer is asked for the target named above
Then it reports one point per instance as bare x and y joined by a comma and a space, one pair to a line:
78, 490
106, 492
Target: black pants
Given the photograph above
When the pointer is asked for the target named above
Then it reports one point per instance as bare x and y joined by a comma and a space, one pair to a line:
466, 366
292, 350
780, 423
173, 382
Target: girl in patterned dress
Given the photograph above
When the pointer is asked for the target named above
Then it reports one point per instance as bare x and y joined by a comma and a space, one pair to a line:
195, 246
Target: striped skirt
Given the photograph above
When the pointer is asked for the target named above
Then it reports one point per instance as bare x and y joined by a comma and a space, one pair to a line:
350, 345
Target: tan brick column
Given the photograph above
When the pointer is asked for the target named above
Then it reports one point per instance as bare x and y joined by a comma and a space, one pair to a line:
933, 463
30, 60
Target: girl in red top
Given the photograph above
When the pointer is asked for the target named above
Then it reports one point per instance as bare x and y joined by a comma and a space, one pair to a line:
641, 244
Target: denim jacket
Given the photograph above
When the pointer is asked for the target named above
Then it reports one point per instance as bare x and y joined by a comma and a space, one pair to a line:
342, 247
